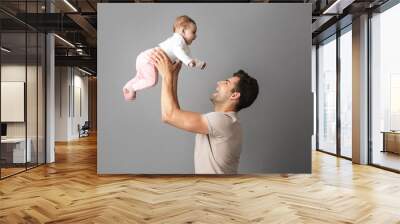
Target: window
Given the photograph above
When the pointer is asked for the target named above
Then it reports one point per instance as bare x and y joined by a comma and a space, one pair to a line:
327, 95
346, 92
385, 88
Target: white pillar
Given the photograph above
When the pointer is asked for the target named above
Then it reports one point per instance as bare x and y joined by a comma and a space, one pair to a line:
360, 90
50, 91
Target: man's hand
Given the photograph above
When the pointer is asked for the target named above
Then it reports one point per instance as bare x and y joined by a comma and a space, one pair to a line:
164, 64
177, 68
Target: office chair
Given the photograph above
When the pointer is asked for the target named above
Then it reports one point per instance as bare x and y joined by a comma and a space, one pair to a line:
84, 130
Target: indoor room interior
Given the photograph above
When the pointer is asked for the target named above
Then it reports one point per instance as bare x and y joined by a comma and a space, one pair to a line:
49, 101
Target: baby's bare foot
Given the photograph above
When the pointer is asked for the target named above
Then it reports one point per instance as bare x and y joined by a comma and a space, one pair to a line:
129, 95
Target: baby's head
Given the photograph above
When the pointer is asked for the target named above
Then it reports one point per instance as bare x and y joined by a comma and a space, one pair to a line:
185, 26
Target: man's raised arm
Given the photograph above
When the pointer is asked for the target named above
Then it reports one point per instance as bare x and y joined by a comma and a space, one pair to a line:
170, 109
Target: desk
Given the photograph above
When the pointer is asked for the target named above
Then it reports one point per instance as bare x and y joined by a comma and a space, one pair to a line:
15, 148
391, 141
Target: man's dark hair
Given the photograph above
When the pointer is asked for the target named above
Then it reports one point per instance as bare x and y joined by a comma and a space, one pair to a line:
248, 89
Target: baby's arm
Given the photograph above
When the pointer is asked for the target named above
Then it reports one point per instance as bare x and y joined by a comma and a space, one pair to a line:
185, 57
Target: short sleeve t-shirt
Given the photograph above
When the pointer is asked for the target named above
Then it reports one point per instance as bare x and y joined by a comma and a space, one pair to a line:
218, 152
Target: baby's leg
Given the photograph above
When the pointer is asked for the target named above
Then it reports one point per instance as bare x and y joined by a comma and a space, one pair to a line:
147, 77
129, 93
129, 90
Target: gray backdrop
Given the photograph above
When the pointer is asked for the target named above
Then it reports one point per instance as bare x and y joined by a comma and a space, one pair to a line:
272, 42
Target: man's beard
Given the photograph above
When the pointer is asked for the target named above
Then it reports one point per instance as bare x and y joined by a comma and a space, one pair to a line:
213, 98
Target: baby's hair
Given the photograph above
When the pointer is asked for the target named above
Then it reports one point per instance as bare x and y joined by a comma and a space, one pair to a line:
182, 21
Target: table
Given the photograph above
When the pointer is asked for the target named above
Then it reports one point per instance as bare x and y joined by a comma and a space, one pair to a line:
391, 141
15, 148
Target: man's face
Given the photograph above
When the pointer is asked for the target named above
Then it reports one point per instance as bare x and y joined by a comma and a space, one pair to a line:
224, 90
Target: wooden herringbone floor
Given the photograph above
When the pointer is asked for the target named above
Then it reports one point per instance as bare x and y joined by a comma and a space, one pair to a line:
70, 191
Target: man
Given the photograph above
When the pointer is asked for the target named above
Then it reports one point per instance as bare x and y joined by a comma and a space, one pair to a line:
219, 135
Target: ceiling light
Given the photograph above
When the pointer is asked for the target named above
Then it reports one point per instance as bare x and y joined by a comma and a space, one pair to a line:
65, 41
5, 49
70, 5
86, 72
338, 6
331, 7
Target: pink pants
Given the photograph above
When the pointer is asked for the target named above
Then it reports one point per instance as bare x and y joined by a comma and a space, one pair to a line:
146, 75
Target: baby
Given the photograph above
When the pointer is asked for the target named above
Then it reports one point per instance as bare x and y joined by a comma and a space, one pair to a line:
177, 49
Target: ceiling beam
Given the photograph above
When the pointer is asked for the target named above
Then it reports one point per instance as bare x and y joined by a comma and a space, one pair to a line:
85, 61
86, 26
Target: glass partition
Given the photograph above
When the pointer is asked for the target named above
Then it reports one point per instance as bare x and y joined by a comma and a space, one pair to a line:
41, 109
32, 95
14, 154
327, 95
22, 101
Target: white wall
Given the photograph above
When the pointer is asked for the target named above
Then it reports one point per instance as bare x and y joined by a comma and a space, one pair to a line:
61, 103
69, 82
14, 72
80, 83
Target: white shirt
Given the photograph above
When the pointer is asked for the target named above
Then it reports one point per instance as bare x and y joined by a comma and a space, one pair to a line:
177, 49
